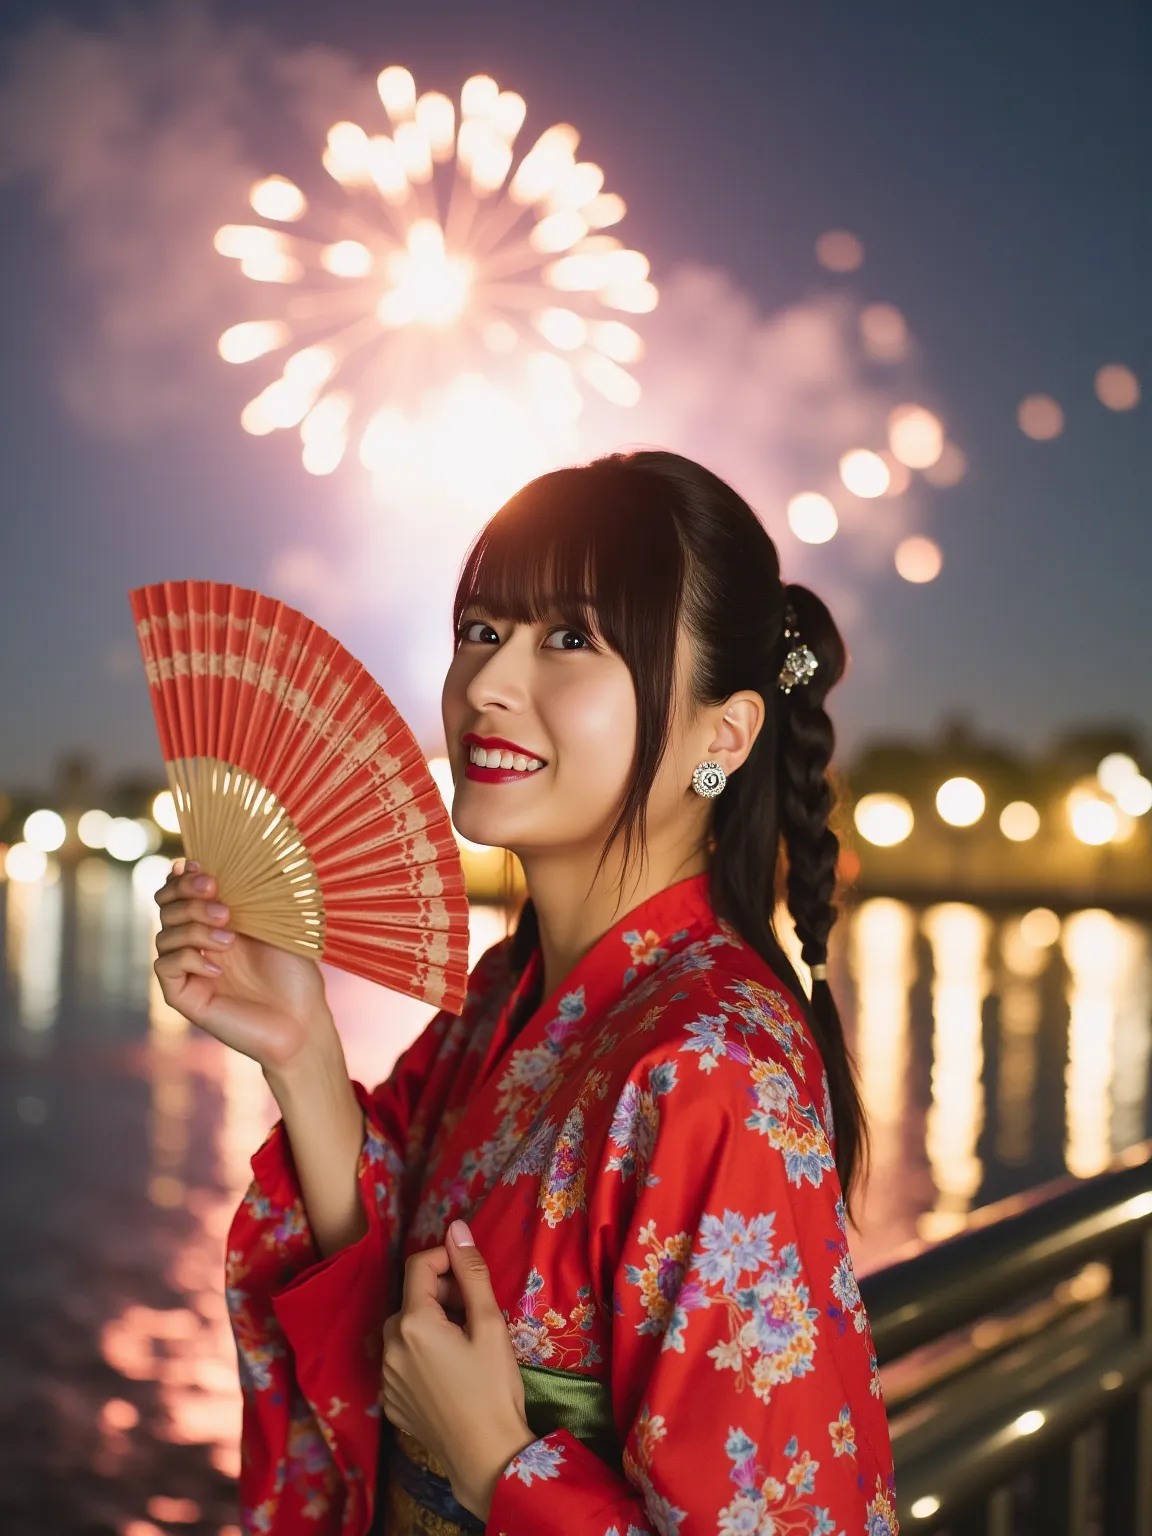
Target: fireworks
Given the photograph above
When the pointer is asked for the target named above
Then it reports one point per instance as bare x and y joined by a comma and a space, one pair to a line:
443, 281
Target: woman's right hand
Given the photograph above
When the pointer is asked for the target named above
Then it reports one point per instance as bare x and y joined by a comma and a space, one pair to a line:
266, 1002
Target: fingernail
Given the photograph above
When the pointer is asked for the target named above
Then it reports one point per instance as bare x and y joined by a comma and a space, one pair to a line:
461, 1235
190, 867
216, 970
202, 883
214, 909
222, 936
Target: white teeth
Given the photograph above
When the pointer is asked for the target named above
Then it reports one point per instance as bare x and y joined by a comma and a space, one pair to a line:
492, 758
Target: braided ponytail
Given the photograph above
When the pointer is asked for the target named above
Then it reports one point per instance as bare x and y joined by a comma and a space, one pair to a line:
804, 751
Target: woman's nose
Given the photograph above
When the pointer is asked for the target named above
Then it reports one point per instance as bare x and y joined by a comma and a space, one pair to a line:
503, 676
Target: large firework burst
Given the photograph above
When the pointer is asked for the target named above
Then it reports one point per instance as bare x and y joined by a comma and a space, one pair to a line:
443, 280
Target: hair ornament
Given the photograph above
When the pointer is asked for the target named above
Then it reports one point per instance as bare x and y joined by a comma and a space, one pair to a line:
800, 663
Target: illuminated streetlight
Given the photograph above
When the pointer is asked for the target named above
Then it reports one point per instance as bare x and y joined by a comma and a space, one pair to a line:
884, 820
960, 802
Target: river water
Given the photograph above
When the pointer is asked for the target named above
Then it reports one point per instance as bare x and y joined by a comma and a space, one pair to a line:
995, 1053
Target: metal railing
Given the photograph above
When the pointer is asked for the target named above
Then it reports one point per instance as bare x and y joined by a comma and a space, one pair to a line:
1018, 1364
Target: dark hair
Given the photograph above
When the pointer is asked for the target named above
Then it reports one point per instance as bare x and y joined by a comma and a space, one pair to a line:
628, 547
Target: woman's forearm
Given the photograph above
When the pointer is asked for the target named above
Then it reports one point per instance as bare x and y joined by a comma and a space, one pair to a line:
325, 1128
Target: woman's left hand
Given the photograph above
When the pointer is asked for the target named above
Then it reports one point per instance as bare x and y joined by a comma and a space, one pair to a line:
457, 1389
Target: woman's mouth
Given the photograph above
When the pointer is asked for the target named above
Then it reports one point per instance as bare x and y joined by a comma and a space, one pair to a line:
497, 765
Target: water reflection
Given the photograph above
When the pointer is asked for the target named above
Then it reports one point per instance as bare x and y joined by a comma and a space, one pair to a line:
1108, 1042
33, 934
992, 1052
883, 968
959, 937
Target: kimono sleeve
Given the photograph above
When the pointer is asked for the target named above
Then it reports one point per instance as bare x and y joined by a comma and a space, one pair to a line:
744, 1385
308, 1329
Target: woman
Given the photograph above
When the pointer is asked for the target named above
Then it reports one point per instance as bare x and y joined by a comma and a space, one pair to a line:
647, 1125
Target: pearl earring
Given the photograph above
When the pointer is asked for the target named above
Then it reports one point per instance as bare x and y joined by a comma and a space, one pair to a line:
709, 779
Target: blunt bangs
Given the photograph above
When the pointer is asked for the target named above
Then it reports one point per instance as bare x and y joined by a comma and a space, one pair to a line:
597, 545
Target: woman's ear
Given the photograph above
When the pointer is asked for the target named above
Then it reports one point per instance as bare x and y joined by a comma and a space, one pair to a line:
736, 729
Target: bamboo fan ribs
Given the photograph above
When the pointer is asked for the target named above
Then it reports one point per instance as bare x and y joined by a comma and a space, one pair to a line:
301, 789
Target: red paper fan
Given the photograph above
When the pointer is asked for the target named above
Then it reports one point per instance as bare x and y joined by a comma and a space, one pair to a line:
300, 788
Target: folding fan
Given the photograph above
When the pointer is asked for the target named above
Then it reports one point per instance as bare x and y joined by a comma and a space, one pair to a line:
302, 791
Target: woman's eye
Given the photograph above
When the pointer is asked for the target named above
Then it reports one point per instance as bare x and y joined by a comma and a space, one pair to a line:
584, 645
466, 630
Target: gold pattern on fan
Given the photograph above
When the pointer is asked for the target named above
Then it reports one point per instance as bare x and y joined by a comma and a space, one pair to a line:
232, 826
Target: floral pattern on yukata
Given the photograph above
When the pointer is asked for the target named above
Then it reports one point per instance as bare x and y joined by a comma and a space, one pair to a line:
771, 1327
542, 1336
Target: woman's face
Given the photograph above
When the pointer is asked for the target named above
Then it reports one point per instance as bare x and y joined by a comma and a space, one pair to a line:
568, 701
556, 695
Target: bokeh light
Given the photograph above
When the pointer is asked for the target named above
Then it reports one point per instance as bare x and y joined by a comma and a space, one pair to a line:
1115, 770
126, 839
960, 802
915, 436
164, 811
949, 469
1040, 928
278, 198
1019, 821
150, 873
838, 250
1117, 387
1093, 820
899, 475
45, 830
1040, 418
884, 819
812, 517
864, 473
884, 333
919, 559
25, 864
92, 828
1134, 796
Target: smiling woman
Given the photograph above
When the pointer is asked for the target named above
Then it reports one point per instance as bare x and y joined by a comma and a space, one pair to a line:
648, 1125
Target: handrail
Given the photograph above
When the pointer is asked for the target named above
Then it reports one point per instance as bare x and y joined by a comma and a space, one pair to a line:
1033, 1407
962, 1278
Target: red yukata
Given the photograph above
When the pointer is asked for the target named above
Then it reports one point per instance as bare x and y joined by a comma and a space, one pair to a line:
647, 1168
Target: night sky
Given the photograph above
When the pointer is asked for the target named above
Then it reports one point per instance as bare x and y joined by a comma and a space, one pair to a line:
993, 159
